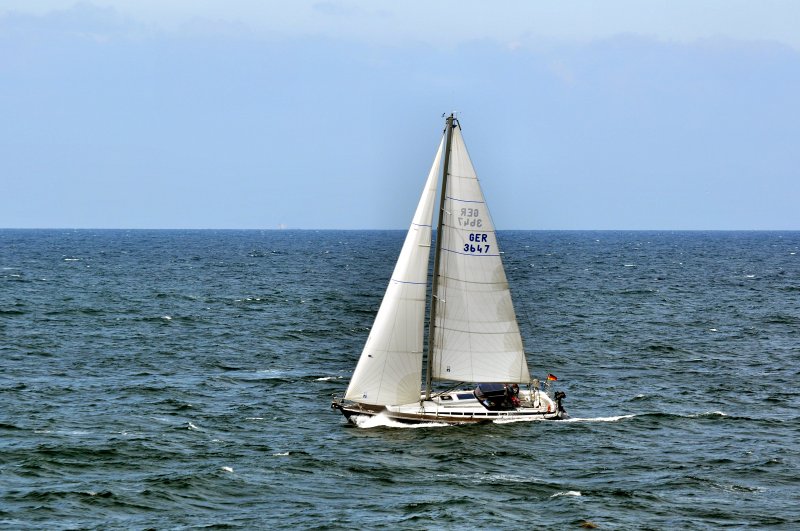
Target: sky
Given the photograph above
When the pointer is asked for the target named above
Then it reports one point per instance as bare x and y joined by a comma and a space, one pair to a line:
253, 114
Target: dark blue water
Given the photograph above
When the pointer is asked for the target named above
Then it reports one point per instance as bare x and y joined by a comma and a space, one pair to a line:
173, 379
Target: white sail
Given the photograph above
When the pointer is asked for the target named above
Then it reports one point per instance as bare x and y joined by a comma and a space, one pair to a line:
476, 334
390, 366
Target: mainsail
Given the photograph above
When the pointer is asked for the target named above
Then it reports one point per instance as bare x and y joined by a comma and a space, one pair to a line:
390, 367
476, 336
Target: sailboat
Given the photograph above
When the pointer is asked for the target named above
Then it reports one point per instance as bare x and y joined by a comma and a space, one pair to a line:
474, 347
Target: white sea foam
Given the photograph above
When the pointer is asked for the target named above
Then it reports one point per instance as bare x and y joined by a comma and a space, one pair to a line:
325, 378
227, 469
381, 420
254, 418
482, 477
520, 419
501, 478
567, 493
598, 419
571, 419
277, 374
282, 454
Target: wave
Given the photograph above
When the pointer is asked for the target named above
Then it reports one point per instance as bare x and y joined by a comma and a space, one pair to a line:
781, 318
600, 419
660, 348
76, 311
567, 493
616, 418
514, 421
706, 414
571, 419
276, 375
382, 421
226, 366
57, 495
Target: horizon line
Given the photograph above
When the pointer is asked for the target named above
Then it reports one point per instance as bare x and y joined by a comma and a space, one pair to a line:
298, 229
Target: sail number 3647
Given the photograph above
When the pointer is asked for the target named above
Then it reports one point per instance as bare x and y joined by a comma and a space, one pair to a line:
470, 218
478, 244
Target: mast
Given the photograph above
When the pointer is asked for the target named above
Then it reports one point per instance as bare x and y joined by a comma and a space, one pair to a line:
450, 124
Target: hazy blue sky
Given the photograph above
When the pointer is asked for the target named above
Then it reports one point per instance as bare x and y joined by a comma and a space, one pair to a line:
622, 114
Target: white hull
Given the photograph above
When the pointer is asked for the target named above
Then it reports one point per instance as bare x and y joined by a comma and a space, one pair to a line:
458, 407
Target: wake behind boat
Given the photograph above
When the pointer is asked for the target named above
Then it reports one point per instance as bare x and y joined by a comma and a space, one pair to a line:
473, 335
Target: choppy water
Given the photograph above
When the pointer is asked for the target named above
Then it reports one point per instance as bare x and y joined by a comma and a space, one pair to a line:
171, 379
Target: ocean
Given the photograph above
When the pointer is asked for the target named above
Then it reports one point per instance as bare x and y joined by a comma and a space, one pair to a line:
182, 379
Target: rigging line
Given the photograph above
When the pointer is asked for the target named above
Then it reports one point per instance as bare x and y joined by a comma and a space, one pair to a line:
440, 393
465, 200
476, 255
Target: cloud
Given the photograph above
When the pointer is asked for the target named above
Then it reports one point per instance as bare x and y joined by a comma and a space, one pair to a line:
336, 8
342, 9
83, 20
203, 128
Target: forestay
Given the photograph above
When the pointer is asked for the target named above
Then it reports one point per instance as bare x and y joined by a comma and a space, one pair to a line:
390, 367
476, 334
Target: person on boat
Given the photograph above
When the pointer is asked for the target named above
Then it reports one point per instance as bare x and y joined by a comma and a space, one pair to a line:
513, 394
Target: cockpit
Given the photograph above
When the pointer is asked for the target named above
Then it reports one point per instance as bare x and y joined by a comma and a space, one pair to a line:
498, 396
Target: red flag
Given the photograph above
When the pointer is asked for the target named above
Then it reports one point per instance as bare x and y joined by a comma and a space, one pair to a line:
552, 377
